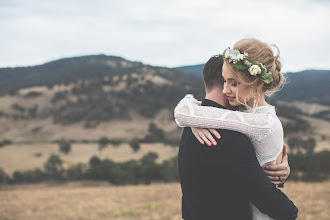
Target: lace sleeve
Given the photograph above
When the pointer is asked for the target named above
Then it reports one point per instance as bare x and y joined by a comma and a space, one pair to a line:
189, 114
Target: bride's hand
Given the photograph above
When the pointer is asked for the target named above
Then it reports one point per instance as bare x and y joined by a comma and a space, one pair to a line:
204, 135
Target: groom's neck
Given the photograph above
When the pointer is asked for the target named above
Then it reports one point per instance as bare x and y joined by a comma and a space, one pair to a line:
217, 96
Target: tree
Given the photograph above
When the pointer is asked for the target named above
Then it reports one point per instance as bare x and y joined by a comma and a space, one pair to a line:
5, 142
103, 142
53, 166
312, 172
295, 143
65, 146
135, 144
18, 177
149, 169
309, 145
76, 172
4, 179
155, 134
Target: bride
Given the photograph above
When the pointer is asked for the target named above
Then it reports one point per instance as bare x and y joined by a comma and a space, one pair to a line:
250, 71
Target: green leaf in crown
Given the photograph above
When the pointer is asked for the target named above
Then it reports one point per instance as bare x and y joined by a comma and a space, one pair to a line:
240, 65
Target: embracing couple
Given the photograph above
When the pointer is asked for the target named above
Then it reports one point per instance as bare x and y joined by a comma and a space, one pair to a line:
232, 158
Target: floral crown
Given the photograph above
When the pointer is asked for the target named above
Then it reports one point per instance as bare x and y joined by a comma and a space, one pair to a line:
241, 62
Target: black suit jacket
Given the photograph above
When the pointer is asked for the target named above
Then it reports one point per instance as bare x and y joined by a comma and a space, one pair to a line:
218, 181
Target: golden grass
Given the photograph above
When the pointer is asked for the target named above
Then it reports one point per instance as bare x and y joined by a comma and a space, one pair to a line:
25, 130
99, 201
23, 157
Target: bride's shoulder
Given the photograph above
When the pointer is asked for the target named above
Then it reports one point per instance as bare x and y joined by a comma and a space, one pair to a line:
261, 109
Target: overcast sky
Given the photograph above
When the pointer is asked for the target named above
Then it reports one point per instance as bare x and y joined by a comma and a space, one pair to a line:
164, 33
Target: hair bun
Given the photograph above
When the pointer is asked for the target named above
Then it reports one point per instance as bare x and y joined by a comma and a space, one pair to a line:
278, 63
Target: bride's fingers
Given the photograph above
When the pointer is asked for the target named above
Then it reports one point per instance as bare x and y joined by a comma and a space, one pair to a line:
209, 136
276, 173
201, 134
215, 132
197, 135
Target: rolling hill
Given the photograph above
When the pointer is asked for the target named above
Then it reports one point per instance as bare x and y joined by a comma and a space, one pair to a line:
70, 96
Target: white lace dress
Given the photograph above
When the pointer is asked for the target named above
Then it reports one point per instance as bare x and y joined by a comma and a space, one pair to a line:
261, 125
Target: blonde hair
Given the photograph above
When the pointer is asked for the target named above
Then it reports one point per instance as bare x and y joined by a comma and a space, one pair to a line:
263, 53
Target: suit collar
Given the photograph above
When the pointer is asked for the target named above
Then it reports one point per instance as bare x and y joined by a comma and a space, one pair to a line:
208, 102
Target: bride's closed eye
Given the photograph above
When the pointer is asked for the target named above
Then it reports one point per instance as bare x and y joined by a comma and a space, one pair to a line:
232, 83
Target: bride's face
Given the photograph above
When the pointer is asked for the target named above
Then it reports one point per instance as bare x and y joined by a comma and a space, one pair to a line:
231, 88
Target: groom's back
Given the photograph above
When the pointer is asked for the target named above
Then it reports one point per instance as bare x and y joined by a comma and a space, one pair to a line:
210, 191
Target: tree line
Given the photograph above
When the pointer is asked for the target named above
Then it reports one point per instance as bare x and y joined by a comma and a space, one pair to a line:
143, 171
305, 167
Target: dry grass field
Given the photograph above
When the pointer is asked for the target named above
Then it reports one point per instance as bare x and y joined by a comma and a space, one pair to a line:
23, 156
100, 201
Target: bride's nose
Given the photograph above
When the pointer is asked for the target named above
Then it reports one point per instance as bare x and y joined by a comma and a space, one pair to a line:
225, 89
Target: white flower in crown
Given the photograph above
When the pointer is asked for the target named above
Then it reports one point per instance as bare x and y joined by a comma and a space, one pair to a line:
255, 70
240, 57
247, 63
227, 54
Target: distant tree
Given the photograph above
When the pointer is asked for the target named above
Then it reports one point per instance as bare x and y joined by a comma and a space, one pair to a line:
53, 166
33, 94
18, 177
312, 173
96, 169
4, 178
170, 170
65, 146
309, 145
115, 141
62, 95
155, 134
32, 112
135, 144
103, 142
295, 143
76, 172
5, 142
149, 169
324, 158
18, 107
38, 175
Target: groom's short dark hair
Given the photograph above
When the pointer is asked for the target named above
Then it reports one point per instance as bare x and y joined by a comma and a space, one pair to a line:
212, 73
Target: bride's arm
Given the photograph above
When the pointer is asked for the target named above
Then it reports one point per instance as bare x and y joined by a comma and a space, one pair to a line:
189, 114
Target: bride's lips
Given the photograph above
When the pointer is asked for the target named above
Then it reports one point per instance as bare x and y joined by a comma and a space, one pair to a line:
230, 98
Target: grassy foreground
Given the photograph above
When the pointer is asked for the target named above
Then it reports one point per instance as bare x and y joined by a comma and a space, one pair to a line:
98, 201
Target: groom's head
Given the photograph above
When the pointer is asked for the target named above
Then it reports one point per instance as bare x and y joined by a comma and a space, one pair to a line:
212, 74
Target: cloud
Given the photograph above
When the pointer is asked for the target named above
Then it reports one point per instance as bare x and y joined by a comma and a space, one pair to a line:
166, 33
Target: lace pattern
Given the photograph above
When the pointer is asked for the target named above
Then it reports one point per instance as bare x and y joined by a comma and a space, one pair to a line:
262, 126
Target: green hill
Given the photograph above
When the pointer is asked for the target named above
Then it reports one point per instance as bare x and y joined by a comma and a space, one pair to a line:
64, 71
196, 70
311, 86
103, 88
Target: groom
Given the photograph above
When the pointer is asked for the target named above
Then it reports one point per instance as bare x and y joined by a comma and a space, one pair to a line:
219, 181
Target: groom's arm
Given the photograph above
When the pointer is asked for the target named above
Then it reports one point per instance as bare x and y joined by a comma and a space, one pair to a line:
245, 169
281, 170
